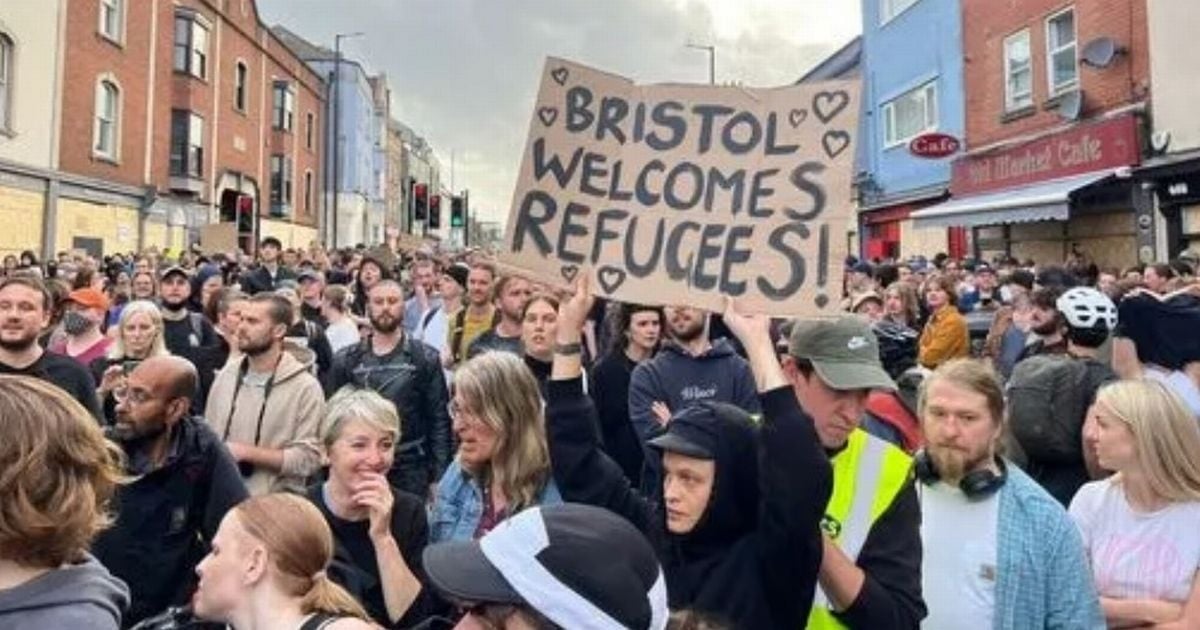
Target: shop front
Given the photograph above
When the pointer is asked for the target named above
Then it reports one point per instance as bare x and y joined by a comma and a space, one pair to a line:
1175, 180
1063, 194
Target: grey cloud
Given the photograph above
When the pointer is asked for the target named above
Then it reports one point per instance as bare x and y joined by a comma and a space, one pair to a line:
464, 73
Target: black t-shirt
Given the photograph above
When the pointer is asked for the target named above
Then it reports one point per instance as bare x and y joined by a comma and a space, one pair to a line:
194, 339
355, 566
492, 341
313, 314
67, 374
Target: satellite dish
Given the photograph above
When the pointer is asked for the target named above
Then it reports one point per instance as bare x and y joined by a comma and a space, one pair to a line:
1100, 52
1160, 141
1071, 105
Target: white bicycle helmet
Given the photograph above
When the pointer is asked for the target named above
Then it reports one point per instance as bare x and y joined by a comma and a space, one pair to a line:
1084, 306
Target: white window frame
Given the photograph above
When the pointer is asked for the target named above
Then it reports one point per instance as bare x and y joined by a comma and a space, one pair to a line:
192, 159
281, 181
8, 51
117, 7
1051, 52
283, 111
928, 92
891, 9
241, 87
1011, 103
113, 151
195, 60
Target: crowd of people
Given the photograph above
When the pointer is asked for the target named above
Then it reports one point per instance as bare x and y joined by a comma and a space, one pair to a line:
418, 439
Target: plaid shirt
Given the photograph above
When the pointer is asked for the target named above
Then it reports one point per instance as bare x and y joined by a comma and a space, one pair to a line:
1043, 580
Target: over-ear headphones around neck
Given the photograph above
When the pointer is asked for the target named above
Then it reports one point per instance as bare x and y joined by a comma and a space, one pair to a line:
977, 484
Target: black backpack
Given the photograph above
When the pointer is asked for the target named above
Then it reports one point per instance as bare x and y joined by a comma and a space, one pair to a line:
1047, 401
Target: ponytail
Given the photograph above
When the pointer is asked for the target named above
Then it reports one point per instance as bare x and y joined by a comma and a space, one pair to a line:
326, 596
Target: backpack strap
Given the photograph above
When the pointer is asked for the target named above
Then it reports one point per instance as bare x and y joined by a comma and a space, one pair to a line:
428, 318
456, 338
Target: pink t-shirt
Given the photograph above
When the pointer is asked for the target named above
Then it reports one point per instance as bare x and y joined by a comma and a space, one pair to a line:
85, 358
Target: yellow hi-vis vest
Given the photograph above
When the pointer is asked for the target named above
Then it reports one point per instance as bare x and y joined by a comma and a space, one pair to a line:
867, 476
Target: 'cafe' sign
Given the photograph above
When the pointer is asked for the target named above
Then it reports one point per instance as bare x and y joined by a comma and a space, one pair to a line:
1081, 149
934, 145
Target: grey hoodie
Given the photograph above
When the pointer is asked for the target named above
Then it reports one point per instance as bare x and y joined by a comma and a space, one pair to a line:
83, 596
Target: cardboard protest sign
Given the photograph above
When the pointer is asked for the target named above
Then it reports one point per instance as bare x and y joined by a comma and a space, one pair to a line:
681, 194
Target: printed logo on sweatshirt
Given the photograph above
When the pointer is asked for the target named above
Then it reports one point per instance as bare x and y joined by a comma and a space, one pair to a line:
692, 393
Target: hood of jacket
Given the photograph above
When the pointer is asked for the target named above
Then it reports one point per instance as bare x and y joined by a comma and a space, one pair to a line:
78, 595
732, 510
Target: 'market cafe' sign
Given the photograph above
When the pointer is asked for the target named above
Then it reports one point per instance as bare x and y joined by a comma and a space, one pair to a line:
1085, 148
682, 194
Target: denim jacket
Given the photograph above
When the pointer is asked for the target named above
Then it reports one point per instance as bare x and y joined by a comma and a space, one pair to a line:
458, 505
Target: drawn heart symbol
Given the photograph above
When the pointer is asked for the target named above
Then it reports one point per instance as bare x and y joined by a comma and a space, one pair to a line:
569, 272
797, 116
835, 142
559, 75
611, 278
830, 104
548, 115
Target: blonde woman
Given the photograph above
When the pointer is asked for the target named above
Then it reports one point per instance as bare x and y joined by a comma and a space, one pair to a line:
503, 463
57, 477
1141, 526
379, 530
900, 305
267, 569
139, 336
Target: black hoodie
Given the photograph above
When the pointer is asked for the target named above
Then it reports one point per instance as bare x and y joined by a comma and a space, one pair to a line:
753, 558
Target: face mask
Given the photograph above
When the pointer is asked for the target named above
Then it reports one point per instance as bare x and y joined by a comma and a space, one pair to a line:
75, 323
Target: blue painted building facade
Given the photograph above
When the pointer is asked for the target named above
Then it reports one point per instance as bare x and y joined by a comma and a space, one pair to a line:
912, 72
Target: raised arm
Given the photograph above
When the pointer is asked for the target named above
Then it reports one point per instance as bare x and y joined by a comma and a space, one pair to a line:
795, 478
583, 472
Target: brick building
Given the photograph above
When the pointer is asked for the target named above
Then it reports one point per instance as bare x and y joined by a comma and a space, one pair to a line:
1054, 125
184, 114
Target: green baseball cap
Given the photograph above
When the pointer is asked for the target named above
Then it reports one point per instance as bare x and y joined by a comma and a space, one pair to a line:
844, 352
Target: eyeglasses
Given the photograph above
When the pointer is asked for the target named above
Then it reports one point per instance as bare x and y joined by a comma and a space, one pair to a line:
131, 396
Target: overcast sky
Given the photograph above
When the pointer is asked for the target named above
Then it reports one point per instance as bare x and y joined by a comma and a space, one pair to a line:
464, 73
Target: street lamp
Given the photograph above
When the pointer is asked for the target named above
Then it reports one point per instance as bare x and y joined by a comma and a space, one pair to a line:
337, 141
712, 60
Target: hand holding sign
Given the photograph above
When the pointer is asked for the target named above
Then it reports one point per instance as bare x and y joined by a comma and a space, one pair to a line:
684, 194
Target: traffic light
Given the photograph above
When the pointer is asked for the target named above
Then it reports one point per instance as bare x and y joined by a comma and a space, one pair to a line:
458, 211
420, 207
435, 212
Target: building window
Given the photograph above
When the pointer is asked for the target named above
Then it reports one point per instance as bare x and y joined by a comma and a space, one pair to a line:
281, 183
107, 126
910, 115
285, 102
112, 18
889, 9
191, 45
1063, 66
1018, 72
309, 123
240, 73
187, 144
308, 191
6, 82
